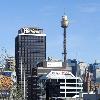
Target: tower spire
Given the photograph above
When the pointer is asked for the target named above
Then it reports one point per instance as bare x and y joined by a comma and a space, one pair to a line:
64, 12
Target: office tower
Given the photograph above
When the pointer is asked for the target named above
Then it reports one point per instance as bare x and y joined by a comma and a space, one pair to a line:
73, 64
30, 48
83, 67
10, 63
96, 73
61, 84
52, 89
32, 86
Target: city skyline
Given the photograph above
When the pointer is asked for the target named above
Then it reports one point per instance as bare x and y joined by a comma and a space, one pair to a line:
82, 33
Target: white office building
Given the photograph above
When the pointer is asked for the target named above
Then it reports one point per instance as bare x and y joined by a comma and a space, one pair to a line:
62, 84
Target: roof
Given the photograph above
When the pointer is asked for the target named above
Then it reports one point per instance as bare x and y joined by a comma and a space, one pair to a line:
60, 75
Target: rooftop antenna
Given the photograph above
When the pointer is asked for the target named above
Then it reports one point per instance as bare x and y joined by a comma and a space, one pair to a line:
64, 25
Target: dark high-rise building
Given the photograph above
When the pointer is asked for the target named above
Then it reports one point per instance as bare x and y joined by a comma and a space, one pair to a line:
30, 48
52, 88
32, 88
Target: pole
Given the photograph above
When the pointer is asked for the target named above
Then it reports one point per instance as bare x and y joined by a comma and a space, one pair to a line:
24, 82
21, 76
64, 47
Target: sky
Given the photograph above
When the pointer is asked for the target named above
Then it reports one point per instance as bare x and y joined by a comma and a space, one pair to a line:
83, 32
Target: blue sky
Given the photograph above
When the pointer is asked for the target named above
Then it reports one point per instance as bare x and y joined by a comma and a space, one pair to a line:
83, 33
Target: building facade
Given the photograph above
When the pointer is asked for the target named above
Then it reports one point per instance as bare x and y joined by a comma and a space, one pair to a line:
30, 48
55, 81
32, 88
62, 84
10, 63
73, 64
97, 75
42, 69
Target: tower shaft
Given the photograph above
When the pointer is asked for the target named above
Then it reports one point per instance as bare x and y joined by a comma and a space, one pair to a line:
64, 25
64, 48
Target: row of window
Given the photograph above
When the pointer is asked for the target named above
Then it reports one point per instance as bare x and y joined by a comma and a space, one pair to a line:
70, 90
33, 40
68, 94
31, 37
68, 80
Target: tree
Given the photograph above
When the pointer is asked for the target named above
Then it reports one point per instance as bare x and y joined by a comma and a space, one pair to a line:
16, 92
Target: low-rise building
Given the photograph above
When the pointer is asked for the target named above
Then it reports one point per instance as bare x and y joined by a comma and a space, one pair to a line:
91, 96
82, 66
61, 84
10, 63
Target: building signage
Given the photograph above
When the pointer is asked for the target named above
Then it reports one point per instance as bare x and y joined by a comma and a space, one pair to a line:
54, 64
60, 72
